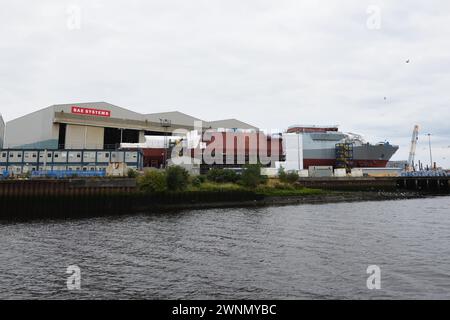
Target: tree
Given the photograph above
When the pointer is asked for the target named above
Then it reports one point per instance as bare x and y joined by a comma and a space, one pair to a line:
251, 176
292, 177
222, 175
177, 178
289, 177
152, 181
197, 181
282, 174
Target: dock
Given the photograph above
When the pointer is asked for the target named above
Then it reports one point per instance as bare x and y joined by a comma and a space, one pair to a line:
421, 184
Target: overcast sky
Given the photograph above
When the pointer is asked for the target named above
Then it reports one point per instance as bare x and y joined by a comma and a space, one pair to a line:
269, 63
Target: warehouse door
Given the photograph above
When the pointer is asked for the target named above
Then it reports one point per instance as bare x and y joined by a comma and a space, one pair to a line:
113, 137
83, 137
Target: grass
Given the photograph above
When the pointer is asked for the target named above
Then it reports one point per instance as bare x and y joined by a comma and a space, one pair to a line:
214, 186
275, 192
271, 189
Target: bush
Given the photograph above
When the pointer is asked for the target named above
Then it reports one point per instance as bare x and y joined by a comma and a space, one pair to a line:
132, 173
197, 181
177, 178
251, 176
292, 177
222, 175
152, 181
289, 177
282, 174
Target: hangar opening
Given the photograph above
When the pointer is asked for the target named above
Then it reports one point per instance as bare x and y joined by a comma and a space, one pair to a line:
113, 137
62, 136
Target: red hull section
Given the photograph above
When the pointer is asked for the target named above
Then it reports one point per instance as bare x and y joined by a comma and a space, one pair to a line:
356, 163
153, 157
245, 143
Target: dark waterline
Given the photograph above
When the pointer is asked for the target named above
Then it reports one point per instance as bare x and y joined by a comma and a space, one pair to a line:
295, 252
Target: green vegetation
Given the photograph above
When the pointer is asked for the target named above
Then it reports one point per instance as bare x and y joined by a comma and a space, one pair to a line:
287, 177
214, 186
222, 175
251, 176
176, 179
152, 181
172, 179
131, 173
197, 181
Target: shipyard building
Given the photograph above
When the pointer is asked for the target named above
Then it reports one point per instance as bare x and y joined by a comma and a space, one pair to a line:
96, 136
89, 136
98, 125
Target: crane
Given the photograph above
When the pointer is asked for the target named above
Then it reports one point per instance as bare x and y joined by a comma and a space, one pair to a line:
412, 151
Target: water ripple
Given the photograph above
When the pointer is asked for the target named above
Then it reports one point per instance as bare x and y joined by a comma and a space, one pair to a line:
291, 252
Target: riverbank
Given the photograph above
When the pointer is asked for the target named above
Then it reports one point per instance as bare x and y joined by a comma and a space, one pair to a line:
318, 198
96, 205
36, 199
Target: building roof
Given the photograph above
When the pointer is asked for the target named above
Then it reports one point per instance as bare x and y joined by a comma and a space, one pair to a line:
230, 124
175, 117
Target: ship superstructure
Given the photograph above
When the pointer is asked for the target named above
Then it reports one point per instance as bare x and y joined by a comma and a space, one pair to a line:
327, 146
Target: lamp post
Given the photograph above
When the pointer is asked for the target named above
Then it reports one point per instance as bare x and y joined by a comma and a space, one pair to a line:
165, 123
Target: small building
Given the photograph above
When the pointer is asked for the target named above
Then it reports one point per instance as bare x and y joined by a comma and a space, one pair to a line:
20, 161
320, 171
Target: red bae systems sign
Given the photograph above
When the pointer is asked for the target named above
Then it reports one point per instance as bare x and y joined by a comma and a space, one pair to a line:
91, 112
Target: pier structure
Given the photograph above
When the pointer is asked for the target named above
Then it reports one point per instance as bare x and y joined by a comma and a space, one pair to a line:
437, 184
426, 184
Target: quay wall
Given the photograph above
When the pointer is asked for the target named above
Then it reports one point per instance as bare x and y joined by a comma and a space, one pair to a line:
35, 199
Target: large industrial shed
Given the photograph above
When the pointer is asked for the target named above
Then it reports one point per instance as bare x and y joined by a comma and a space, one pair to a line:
72, 126
97, 125
2, 131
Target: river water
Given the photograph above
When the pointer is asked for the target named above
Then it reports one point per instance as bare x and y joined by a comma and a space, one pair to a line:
290, 252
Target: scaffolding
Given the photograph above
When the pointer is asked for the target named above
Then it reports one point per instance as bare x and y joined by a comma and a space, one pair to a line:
344, 155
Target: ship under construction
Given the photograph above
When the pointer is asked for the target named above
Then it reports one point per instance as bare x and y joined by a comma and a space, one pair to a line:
327, 146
